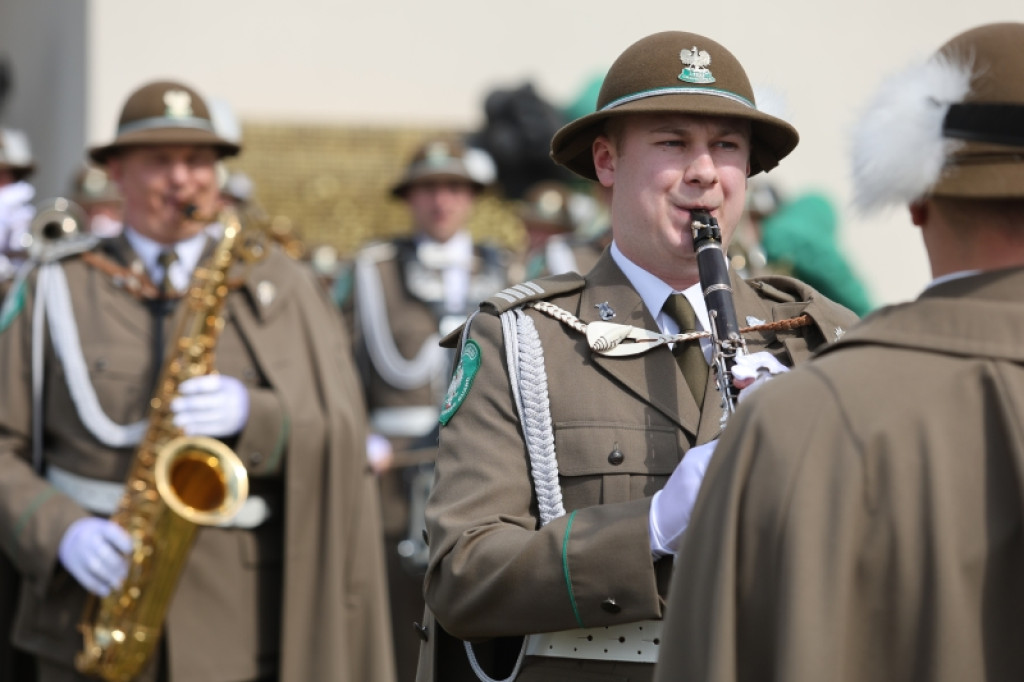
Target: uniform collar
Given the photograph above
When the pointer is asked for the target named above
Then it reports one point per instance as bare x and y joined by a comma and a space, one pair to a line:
189, 251
654, 292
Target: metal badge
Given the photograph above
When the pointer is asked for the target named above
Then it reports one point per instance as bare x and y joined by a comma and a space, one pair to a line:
605, 311
839, 333
695, 66
266, 292
179, 104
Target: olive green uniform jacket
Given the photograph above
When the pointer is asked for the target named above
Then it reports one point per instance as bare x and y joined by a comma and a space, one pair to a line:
302, 595
621, 425
862, 517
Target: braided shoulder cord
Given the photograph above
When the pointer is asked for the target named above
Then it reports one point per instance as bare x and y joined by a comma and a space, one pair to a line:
524, 357
570, 320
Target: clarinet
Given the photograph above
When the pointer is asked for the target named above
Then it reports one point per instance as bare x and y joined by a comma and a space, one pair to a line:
727, 343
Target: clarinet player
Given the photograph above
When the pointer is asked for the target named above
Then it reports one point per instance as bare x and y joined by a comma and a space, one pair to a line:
292, 587
541, 522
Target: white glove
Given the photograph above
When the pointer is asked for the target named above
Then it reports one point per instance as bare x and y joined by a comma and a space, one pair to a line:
671, 506
211, 405
754, 370
94, 551
379, 452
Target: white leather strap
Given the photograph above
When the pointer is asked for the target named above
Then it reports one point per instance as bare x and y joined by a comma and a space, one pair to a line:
407, 422
637, 642
102, 497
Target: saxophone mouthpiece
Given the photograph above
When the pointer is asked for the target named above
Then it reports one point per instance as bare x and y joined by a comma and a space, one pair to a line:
191, 212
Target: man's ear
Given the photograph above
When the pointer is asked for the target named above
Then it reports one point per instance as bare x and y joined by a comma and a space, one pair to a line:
113, 169
603, 150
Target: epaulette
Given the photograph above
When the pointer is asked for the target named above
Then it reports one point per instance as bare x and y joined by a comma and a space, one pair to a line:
780, 288
534, 290
378, 252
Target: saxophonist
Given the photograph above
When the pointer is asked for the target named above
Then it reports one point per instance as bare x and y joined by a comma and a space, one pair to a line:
289, 589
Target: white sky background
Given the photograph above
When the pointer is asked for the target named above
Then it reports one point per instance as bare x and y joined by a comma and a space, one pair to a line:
432, 63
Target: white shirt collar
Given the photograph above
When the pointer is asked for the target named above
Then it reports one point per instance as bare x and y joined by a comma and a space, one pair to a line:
189, 251
654, 292
457, 252
949, 277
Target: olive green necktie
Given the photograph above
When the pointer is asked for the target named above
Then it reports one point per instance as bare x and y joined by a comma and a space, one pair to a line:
166, 257
689, 355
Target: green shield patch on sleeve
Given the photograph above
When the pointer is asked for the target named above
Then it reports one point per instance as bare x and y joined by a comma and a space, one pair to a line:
462, 380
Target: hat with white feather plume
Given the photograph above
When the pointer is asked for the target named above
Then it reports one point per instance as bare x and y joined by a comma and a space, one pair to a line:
952, 126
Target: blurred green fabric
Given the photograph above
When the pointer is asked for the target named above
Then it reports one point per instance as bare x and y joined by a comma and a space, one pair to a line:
801, 238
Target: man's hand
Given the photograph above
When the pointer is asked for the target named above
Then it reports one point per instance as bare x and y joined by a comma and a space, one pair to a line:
211, 405
94, 551
671, 506
754, 370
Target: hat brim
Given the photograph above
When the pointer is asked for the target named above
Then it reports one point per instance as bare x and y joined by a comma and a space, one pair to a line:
405, 184
162, 136
18, 172
999, 177
771, 138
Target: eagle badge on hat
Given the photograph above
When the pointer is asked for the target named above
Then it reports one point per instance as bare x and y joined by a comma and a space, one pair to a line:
179, 104
438, 154
695, 64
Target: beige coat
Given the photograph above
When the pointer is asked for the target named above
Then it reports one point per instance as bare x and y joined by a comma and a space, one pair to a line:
621, 425
305, 589
862, 517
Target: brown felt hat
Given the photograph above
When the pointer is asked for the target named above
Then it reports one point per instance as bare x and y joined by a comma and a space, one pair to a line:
675, 73
164, 112
438, 160
990, 118
546, 206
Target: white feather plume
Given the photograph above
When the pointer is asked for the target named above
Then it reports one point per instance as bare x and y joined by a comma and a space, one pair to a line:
898, 148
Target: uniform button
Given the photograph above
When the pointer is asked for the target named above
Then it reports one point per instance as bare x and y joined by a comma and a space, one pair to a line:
615, 457
422, 631
256, 457
101, 364
610, 606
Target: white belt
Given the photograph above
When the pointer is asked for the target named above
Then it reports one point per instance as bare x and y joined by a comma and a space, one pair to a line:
637, 642
404, 422
103, 497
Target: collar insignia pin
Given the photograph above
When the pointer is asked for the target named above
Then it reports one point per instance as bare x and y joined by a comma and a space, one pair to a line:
266, 292
695, 64
605, 311
839, 333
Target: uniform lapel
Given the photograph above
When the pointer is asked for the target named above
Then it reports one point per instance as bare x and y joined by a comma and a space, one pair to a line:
122, 303
653, 376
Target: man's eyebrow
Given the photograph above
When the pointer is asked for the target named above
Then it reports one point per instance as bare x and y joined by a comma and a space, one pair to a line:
723, 128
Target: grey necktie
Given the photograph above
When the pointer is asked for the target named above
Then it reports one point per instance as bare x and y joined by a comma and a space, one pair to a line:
689, 355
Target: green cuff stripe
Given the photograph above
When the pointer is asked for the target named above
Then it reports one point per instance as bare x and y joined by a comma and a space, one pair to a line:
565, 568
274, 460
23, 520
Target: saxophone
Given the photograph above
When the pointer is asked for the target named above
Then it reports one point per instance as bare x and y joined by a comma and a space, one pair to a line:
176, 483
